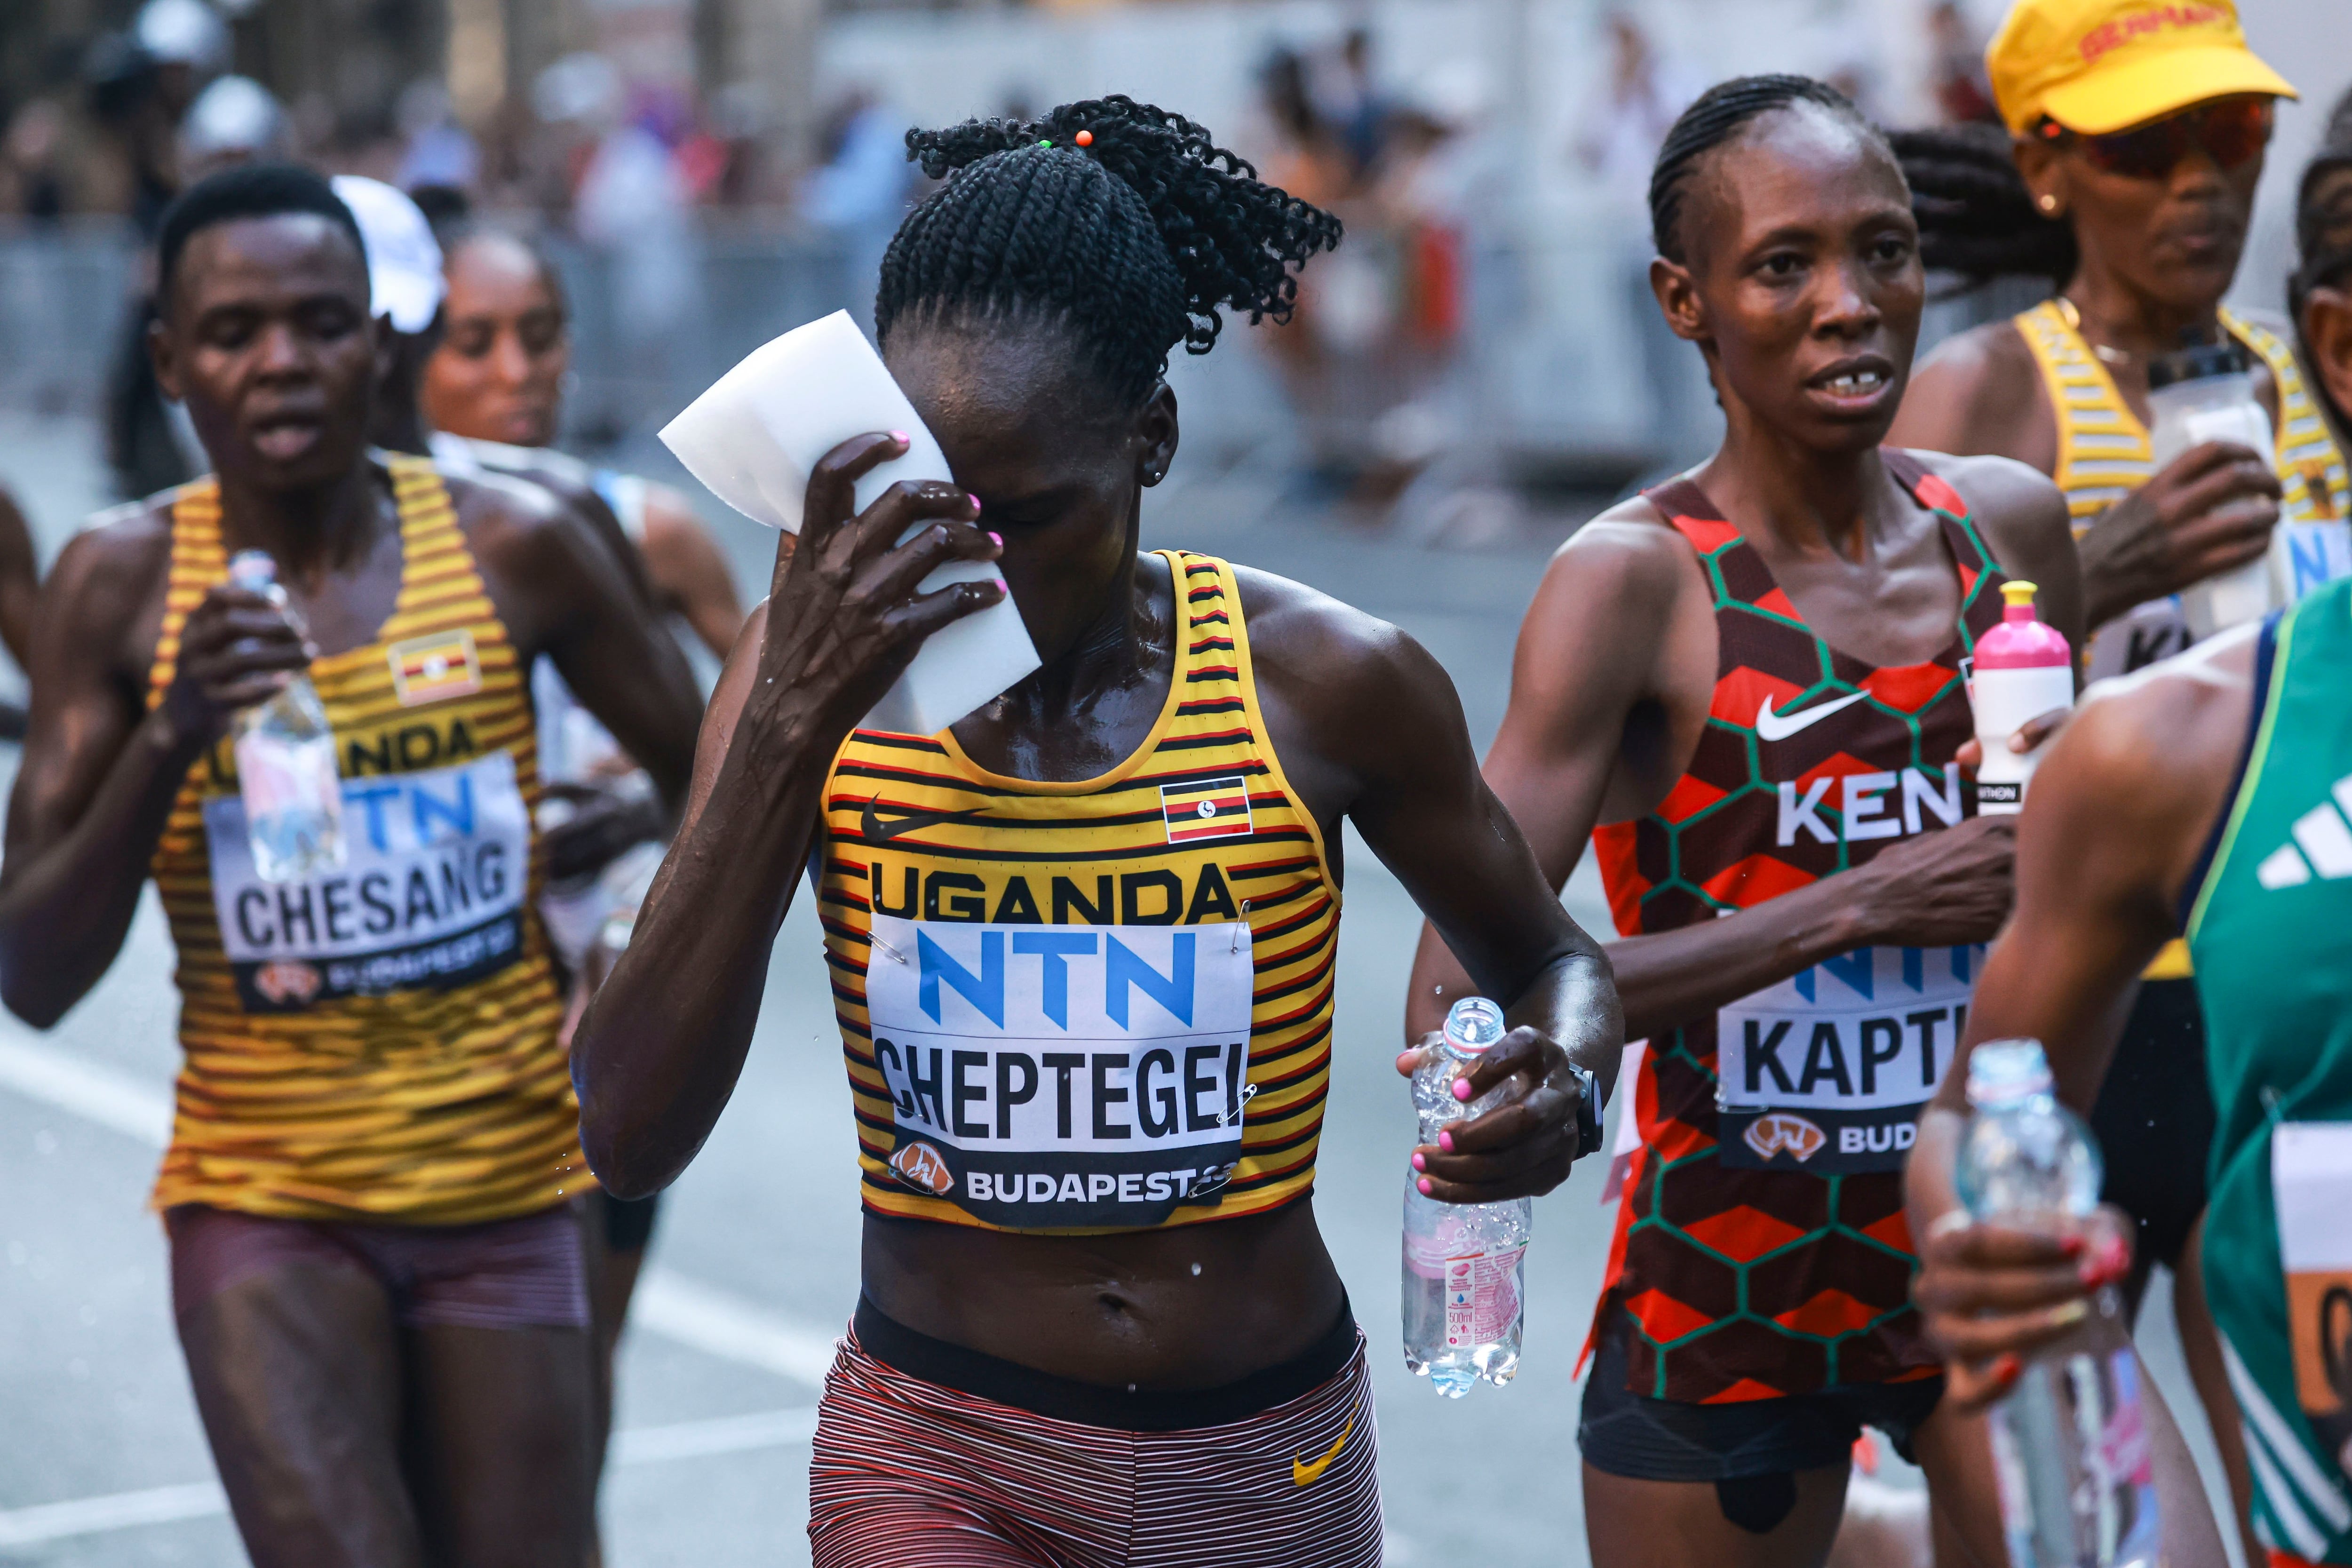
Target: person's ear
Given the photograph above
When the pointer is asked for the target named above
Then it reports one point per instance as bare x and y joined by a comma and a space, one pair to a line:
2044, 174
1678, 299
163, 352
2327, 337
1155, 430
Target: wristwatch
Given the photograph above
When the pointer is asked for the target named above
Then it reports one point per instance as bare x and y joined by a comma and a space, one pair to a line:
1588, 1111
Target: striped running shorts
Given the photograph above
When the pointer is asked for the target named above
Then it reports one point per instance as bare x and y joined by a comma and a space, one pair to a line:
912, 1473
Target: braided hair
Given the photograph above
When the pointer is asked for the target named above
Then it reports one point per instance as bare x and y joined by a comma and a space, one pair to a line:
1719, 114
1133, 240
1976, 218
2323, 235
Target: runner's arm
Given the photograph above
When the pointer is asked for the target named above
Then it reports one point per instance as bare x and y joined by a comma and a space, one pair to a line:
1381, 724
20, 582
657, 1053
689, 574
100, 769
2116, 819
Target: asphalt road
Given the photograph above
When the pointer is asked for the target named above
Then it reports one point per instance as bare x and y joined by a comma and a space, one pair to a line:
102, 1463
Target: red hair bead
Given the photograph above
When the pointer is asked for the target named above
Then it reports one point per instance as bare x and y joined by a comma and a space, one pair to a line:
1085, 139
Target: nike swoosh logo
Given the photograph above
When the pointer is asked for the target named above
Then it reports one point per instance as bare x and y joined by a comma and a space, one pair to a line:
1772, 726
1303, 1474
877, 829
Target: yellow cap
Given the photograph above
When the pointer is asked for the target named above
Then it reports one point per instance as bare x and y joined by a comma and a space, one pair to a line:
2016, 591
2096, 66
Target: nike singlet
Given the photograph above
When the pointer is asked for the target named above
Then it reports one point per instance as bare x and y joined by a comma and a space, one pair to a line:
1096, 1005
2271, 931
377, 1042
1760, 1248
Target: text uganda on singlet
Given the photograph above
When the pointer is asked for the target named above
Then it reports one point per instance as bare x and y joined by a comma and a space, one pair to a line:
1052, 1076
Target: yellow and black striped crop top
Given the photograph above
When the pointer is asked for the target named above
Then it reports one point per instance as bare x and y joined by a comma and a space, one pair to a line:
1099, 1006
377, 1041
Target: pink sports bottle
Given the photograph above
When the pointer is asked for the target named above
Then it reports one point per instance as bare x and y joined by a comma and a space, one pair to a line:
2023, 669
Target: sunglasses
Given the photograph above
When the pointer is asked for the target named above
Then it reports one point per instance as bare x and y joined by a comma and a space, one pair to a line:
2232, 132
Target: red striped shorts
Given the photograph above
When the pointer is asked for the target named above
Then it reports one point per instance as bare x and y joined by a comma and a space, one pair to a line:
912, 1473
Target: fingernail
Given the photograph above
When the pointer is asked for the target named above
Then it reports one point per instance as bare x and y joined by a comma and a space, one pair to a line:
901, 437
2072, 1246
1424, 1186
997, 540
2072, 1312
2006, 1368
1461, 1088
975, 504
1405, 1060
1001, 582
1419, 1163
1445, 1141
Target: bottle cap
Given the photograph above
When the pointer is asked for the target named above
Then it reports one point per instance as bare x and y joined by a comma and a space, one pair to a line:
252, 570
2194, 364
1472, 1024
2003, 1072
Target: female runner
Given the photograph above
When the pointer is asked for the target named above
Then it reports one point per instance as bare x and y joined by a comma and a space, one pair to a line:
2203, 798
1083, 940
2127, 179
1753, 675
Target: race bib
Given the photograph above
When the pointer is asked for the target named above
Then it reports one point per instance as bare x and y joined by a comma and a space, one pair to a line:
2314, 555
1061, 1076
1828, 1070
430, 895
2311, 1178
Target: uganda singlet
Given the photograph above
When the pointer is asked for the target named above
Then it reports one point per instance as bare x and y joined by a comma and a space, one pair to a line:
1760, 1248
2271, 931
377, 1041
1104, 1005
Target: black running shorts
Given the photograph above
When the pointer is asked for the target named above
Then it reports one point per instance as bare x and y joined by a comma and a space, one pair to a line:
2155, 1118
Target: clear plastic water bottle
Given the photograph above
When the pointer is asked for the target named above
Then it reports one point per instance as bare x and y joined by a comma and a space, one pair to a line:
286, 761
1464, 1263
2069, 1440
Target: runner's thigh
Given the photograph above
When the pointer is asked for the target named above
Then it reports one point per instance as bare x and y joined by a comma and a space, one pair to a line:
503, 1443
1631, 1523
297, 1375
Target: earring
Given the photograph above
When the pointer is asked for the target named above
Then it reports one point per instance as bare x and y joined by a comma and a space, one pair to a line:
2048, 203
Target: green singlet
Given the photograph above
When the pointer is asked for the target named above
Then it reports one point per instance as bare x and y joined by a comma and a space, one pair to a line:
2271, 932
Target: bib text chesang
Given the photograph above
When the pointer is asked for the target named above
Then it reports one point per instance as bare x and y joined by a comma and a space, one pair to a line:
1052, 1076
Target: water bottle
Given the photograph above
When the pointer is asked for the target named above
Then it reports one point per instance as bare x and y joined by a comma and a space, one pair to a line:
2199, 393
286, 761
2069, 1440
1464, 1274
2020, 669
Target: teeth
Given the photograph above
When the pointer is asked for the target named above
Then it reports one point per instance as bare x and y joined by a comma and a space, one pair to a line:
1857, 382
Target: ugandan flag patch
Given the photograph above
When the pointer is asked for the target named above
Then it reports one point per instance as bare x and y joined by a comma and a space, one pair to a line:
1209, 808
431, 668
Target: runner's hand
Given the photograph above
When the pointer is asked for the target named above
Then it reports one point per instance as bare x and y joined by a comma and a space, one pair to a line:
1521, 1147
1991, 1296
2211, 509
843, 617
2032, 734
1939, 890
235, 649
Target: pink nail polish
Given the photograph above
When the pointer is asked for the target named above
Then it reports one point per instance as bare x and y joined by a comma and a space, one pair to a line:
1423, 1186
1419, 1164
997, 540
900, 437
1461, 1088
1445, 1141
973, 498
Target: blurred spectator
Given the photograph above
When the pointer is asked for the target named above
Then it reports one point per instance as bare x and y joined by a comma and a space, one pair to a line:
1303, 157
435, 149
859, 194
1623, 125
32, 180
1348, 99
1963, 93
233, 121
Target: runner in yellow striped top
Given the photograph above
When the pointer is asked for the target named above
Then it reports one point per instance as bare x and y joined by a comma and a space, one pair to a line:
378, 1043
1083, 940
371, 1190
1197, 831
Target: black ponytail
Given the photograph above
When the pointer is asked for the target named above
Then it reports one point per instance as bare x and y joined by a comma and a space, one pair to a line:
1714, 118
1134, 241
1976, 219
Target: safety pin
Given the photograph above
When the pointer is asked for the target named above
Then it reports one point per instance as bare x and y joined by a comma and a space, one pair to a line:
885, 947
1249, 1092
1239, 926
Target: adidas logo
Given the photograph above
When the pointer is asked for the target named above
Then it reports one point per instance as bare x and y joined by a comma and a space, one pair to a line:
2322, 844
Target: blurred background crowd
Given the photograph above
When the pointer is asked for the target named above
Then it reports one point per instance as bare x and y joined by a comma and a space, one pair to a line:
712, 172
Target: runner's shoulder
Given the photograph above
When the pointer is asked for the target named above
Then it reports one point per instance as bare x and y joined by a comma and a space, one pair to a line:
2009, 502
1978, 391
2154, 752
1630, 561
117, 556
1336, 661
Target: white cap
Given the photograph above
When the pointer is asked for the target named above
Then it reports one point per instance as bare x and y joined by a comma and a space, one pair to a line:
183, 32
404, 259
235, 114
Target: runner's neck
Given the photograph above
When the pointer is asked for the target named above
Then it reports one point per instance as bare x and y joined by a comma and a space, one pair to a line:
1808, 501
2113, 316
310, 534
